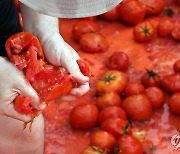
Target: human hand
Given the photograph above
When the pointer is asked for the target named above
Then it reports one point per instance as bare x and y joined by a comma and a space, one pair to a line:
56, 50
12, 84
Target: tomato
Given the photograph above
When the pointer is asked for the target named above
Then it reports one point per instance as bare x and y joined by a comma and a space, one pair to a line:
150, 78
118, 61
137, 107
143, 32
49, 81
116, 126
22, 104
177, 1
153, 7
111, 15
171, 83
103, 140
16, 3
176, 66
108, 99
165, 27
176, 33
92, 150
132, 12
84, 116
84, 67
111, 112
93, 42
128, 144
156, 96
134, 88
83, 27
174, 103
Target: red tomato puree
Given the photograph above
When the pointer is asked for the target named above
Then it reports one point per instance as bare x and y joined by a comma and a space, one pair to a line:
158, 54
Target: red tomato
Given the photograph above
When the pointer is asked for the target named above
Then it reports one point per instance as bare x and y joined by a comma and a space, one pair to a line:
103, 140
111, 112
174, 103
165, 27
137, 107
171, 82
92, 150
176, 33
22, 104
156, 96
128, 144
116, 126
83, 27
150, 78
111, 15
134, 88
132, 12
176, 66
93, 42
153, 7
143, 32
177, 1
108, 99
112, 81
84, 67
118, 61
84, 116
16, 44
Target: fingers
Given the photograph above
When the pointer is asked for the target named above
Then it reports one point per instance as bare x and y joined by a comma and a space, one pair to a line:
73, 52
67, 98
24, 88
11, 112
72, 67
81, 90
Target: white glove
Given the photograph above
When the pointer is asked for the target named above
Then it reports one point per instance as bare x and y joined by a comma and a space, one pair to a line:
13, 83
56, 50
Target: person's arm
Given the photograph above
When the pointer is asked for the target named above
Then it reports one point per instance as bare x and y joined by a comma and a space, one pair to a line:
56, 50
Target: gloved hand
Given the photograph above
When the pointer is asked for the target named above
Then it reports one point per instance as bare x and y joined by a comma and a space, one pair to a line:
56, 50
13, 83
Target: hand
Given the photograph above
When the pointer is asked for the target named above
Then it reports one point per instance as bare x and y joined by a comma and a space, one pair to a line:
12, 84
56, 50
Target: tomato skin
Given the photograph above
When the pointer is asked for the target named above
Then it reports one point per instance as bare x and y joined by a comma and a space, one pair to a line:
143, 32
22, 104
118, 61
112, 81
132, 12
156, 96
83, 27
111, 112
108, 99
150, 79
174, 103
103, 140
84, 67
111, 15
116, 126
128, 144
176, 33
92, 150
153, 7
177, 1
134, 88
84, 116
92, 18
16, 3
137, 107
176, 66
171, 83
93, 43
165, 27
